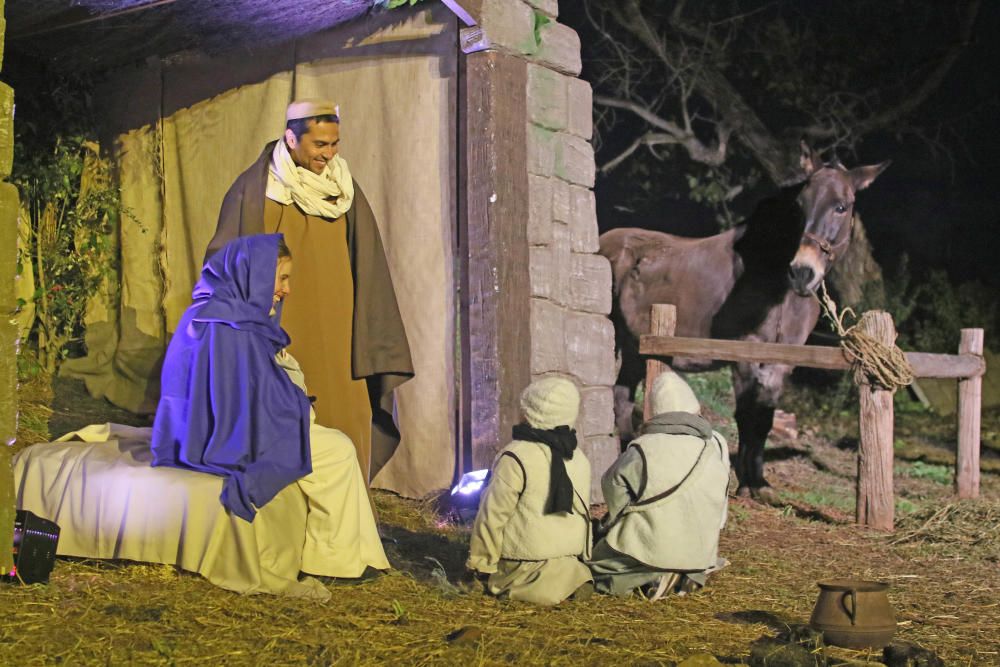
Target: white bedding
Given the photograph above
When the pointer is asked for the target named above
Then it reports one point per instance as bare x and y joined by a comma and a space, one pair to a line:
98, 486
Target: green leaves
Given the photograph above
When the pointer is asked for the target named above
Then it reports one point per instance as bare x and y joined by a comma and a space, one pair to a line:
392, 4
72, 206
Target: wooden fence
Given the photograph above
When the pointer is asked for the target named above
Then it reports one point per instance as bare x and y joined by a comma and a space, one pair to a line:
875, 491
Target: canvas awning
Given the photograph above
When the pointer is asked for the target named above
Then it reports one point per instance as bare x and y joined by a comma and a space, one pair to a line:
87, 35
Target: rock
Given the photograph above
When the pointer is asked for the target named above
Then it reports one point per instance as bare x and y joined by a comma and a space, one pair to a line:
597, 411
769, 652
548, 97
540, 204
601, 451
590, 284
905, 654
548, 345
795, 647
802, 634
785, 425
468, 634
589, 348
558, 48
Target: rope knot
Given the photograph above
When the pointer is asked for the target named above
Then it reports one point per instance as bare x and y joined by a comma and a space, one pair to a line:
873, 363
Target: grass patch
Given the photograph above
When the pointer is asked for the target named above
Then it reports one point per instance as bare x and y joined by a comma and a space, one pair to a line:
940, 474
714, 390
833, 498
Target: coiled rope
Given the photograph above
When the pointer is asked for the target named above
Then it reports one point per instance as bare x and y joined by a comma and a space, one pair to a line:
873, 363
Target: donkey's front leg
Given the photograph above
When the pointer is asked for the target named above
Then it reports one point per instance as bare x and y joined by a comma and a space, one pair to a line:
758, 388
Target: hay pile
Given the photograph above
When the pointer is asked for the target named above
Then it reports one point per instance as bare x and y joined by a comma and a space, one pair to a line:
34, 395
425, 614
968, 525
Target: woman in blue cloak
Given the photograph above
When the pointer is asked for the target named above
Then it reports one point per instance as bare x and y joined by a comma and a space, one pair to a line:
234, 403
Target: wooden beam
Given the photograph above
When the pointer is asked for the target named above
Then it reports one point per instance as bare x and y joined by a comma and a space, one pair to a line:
662, 322
932, 365
970, 395
813, 356
496, 299
876, 499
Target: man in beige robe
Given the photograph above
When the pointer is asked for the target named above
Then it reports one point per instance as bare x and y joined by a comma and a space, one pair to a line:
345, 325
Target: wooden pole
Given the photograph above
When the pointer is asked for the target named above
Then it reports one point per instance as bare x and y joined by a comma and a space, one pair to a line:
875, 493
970, 391
662, 322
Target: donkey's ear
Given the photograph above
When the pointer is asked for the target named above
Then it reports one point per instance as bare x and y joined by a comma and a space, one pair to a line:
809, 159
863, 176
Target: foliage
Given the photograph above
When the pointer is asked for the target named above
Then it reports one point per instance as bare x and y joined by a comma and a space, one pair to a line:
936, 473
710, 97
929, 313
714, 390
942, 309
541, 20
72, 206
393, 4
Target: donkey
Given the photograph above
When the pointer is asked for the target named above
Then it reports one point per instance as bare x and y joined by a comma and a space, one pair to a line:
755, 281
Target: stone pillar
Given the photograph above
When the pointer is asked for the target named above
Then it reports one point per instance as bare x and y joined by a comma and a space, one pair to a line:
8, 332
570, 284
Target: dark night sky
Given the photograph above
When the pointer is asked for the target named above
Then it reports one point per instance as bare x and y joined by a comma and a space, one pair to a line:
942, 213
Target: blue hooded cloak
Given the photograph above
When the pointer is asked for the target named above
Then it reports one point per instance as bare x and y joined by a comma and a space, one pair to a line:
226, 407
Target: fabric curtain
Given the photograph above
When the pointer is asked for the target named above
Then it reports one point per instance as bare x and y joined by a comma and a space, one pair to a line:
395, 84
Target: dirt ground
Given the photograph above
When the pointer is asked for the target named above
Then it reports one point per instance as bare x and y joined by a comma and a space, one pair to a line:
942, 562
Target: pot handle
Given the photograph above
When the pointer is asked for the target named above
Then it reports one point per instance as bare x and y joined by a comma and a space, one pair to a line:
853, 611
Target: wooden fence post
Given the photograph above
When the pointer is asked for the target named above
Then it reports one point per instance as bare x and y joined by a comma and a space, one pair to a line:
970, 392
875, 505
662, 322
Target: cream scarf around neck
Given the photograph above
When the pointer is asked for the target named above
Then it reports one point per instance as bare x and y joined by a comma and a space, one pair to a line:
327, 195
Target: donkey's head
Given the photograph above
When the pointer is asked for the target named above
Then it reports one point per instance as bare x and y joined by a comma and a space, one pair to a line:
827, 202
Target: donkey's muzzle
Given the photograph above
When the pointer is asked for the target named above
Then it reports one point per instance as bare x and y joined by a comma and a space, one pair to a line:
800, 278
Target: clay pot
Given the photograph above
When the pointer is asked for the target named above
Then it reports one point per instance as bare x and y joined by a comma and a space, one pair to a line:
853, 613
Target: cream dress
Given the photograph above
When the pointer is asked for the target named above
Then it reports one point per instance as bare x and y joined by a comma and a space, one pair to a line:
341, 535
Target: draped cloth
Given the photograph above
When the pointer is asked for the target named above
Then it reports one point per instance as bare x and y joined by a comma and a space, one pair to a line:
328, 195
226, 407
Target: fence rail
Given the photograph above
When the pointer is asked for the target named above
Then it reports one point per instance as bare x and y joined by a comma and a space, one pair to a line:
925, 364
875, 495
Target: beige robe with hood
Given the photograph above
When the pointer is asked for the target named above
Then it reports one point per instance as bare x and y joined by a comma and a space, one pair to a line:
529, 555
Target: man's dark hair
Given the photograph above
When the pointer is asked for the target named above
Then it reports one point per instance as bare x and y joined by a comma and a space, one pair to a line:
283, 251
300, 126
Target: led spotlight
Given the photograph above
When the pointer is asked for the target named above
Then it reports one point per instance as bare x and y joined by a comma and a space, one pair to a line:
465, 494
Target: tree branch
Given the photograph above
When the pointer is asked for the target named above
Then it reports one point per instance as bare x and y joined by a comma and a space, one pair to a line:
931, 82
777, 159
648, 139
713, 156
643, 113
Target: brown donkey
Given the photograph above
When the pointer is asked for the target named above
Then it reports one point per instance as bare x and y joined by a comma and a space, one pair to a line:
753, 282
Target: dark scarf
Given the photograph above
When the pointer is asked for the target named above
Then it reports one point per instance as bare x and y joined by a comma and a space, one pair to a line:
562, 441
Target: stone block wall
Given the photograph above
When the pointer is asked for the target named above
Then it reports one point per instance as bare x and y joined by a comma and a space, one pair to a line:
8, 333
571, 335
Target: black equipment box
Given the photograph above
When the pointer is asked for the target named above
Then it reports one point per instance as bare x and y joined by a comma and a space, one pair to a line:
35, 541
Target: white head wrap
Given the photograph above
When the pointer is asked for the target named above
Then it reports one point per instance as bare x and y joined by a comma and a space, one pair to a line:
672, 394
550, 402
